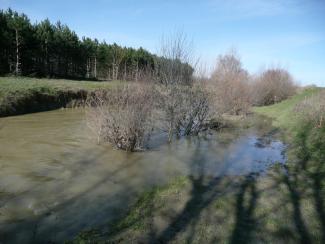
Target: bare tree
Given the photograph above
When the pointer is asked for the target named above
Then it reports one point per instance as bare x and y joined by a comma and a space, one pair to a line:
196, 110
272, 86
176, 60
17, 23
122, 116
117, 58
18, 70
186, 109
229, 81
185, 106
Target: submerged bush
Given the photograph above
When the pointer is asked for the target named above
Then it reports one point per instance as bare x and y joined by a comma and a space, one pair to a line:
122, 116
126, 116
185, 109
272, 86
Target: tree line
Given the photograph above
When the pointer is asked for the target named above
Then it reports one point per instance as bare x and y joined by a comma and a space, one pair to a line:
45, 49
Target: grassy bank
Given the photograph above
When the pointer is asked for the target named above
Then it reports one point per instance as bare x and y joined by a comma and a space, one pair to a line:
283, 114
24, 95
285, 206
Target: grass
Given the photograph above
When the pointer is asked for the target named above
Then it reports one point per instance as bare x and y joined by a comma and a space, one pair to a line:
17, 93
285, 206
24, 85
228, 210
282, 113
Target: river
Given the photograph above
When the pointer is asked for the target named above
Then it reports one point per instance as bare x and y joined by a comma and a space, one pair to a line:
56, 181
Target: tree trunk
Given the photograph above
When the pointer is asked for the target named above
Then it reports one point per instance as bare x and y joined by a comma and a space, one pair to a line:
116, 72
47, 59
17, 71
95, 67
87, 68
137, 71
113, 71
124, 71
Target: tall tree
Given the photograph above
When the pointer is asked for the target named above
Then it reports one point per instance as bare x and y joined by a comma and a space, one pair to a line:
44, 35
18, 23
46, 49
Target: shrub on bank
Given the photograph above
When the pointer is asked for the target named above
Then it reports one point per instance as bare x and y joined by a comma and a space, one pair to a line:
272, 86
230, 85
312, 110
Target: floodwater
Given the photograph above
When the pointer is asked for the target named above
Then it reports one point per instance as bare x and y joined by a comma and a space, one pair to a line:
56, 181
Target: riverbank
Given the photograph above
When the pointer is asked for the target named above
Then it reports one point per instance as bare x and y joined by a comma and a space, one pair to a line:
27, 95
284, 206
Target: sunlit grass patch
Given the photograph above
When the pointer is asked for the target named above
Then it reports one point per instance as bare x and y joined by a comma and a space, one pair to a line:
20, 95
283, 113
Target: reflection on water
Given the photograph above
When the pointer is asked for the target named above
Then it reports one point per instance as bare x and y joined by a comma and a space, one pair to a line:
55, 180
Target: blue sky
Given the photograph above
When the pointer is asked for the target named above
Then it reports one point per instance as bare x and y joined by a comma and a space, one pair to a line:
290, 33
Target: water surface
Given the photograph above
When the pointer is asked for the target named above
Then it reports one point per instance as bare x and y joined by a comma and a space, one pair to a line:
56, 181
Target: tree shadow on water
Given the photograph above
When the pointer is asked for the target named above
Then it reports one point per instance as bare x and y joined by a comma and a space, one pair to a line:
283, 206
204, 190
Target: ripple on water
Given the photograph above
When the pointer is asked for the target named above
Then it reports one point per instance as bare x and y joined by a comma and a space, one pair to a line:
59, 181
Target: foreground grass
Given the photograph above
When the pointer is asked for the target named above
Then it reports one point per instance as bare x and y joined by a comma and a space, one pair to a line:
225, 210
17, 94
285, 206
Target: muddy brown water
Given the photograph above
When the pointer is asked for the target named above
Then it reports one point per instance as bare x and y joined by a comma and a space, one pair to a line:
56, 181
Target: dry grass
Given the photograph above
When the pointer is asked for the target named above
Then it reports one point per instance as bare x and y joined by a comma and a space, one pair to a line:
312, 109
